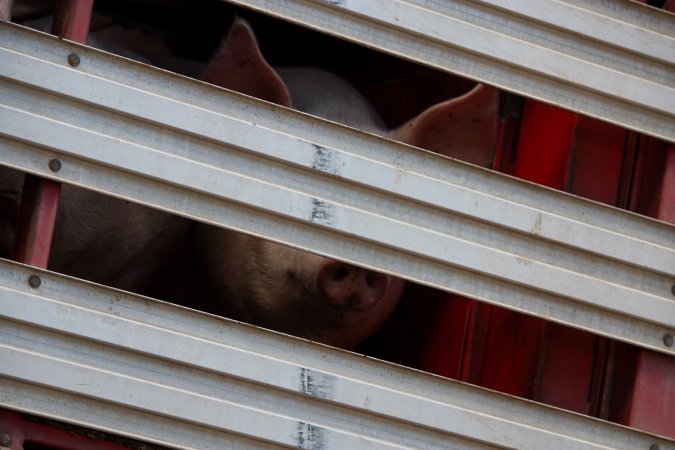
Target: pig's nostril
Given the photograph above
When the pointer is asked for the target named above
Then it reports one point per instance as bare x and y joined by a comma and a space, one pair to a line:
341, 273
346, 285
376, 283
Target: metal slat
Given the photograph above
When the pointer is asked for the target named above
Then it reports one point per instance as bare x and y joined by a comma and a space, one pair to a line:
125, 364
607, 59
149, 136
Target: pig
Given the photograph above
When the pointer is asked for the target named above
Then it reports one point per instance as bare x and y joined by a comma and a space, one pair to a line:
296, 292
143, 250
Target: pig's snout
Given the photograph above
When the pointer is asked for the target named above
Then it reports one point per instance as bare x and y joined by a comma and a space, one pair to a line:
347, 286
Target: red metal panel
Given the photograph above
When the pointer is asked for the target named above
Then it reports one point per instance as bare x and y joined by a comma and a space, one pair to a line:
644, 396
447, 336
653, 394
598, 158
503, 350
571, 369
545, 144
24, 432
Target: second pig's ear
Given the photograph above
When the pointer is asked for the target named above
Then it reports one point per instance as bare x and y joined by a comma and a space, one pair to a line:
239, 65
464, 127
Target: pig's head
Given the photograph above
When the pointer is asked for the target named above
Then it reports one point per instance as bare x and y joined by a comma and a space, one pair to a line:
294, 291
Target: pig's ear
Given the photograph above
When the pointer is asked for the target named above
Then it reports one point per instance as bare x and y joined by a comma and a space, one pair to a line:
238, 65
464, 127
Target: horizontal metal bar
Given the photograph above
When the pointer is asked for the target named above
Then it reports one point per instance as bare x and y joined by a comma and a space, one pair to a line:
166, 141
607, 59
160, 373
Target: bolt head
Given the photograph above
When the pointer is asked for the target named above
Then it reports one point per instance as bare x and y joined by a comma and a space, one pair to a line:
74, 59
668, 340
54, 165
34, 281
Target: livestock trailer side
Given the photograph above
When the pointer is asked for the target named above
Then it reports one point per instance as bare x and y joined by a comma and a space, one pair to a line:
540, 307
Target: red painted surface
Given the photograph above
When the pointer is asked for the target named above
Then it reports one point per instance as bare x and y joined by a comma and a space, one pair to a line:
72, 19
29, 433
571, 369
598, 158
502, 350
545, 144
643, 396
643, 391
449, 327
39, 205
653, 394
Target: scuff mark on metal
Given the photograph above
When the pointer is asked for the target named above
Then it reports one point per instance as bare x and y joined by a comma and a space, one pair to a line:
310, 436
316, 383
536, 227
322, 212
325, 160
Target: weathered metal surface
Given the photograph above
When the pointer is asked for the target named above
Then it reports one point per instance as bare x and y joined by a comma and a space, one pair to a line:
139, 133
125, 364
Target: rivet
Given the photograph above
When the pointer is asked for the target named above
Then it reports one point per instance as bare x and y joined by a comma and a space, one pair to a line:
5, 440
74, 59
672, 289
54, 165
654, 447
668, 340
34, 281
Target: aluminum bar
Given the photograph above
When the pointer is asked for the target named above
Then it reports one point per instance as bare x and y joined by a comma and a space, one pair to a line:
135, 132
83, 353
608, 59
